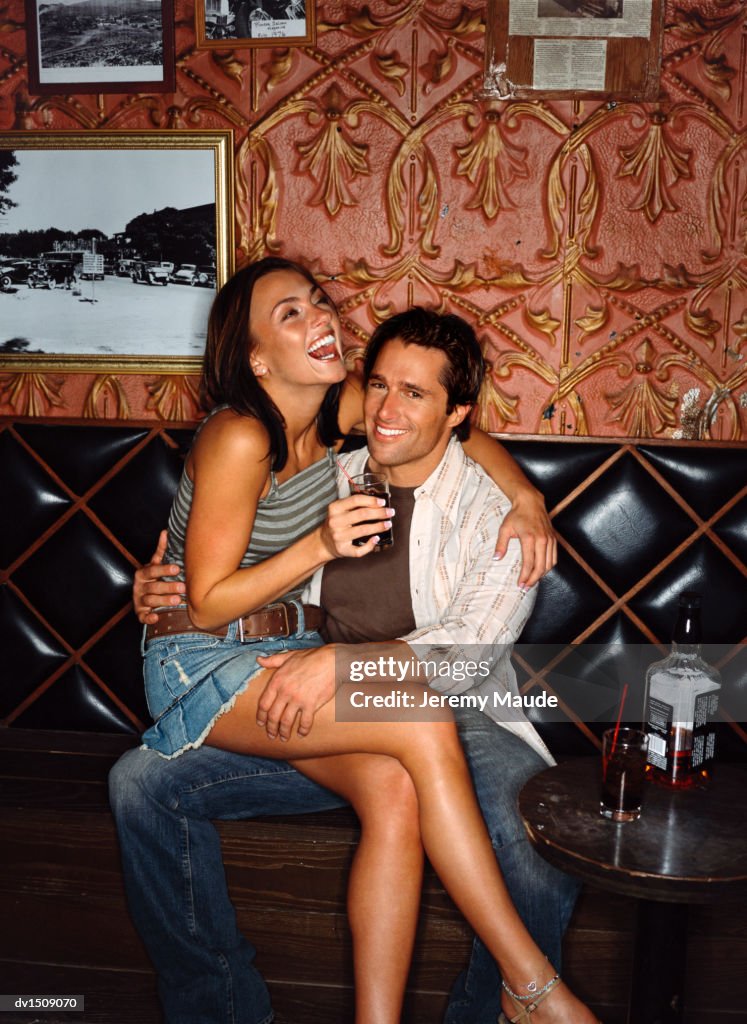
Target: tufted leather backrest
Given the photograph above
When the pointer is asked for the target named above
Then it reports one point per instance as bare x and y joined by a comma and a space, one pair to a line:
82, 506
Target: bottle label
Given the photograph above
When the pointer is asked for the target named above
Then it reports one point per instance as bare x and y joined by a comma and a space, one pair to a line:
704, 737
660, 718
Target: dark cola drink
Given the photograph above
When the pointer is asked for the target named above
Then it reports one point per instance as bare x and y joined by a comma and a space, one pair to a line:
377, 486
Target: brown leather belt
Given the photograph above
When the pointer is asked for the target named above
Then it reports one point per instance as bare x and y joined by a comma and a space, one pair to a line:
280, 619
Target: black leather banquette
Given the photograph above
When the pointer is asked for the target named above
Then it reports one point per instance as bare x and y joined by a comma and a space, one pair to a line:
637, 522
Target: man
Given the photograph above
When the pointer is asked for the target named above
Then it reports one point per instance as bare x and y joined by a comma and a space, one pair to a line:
437, 592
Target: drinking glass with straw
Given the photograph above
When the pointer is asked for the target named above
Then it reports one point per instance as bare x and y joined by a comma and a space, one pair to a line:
624, 754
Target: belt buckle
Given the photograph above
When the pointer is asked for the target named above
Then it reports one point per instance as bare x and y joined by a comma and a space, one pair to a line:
287, 625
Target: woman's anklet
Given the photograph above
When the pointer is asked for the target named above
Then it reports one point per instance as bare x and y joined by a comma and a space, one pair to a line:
534, 992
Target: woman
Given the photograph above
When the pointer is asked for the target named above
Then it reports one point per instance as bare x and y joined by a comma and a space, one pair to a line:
249, 527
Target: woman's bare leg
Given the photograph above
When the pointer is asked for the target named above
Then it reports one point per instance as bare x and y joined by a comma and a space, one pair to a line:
451, 826
385, 879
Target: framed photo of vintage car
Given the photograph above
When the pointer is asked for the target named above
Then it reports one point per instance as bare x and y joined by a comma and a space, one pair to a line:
112, 246
85, 46
227, 23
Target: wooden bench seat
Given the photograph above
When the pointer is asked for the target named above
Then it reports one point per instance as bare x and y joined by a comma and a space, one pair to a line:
67, 929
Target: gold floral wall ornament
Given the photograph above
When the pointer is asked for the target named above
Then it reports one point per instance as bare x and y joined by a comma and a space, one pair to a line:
363, 21
193, 111
495, 408
427, 286
257, 193
727, 209
575, 165
32, 394
717, 286
711, 35
229, 64
106, 400
643, 408
541, 320
491, 163
333, 160
174, 397
353, 357
138, 107
701, 322
439, 67
592, 321
42, 111
392, 69
740, 329
658, 165
527, 359
278, 67
413, 179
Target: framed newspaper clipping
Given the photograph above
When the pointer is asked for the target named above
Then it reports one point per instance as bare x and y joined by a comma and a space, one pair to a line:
584, 48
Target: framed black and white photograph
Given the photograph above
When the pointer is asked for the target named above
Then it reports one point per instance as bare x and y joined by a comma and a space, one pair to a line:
112, 246
100, 45
221, 23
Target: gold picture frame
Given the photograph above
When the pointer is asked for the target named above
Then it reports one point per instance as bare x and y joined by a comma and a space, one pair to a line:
91, 224
221, 24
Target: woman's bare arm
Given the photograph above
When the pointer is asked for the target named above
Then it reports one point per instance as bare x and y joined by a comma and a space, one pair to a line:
230, 470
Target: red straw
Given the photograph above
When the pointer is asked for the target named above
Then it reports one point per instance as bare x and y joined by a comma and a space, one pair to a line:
619, 718
340, 466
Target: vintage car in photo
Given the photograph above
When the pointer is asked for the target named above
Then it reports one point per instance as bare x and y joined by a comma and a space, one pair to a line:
204, 276
149, 272
40, 276
13, 272
184, 274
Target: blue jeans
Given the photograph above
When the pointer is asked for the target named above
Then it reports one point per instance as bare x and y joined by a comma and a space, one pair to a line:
176, 887
500, 764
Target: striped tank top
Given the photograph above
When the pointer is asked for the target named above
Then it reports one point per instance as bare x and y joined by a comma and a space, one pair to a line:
288, 512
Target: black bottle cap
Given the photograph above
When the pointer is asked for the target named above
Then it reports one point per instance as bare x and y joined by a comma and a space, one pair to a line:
689, 599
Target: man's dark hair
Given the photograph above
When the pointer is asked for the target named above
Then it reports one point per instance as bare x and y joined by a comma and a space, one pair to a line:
464, 370
227, 375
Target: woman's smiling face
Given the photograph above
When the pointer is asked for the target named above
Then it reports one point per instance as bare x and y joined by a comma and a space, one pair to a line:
294, 330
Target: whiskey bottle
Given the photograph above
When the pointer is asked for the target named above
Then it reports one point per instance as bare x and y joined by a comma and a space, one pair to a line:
682, 701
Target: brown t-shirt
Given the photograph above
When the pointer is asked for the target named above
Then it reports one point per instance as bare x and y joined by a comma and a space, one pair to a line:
369, 598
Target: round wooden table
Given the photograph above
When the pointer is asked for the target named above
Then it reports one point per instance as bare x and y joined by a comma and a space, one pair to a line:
689, 846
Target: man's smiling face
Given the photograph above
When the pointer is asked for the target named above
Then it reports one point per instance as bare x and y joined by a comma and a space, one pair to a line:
407, 425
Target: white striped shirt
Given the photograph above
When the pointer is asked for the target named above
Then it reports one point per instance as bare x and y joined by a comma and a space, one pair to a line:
467, 605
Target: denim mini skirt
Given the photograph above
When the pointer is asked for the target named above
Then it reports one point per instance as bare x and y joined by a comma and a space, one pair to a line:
191, 679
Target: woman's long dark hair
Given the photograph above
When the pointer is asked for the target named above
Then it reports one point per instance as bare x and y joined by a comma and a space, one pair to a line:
227, 376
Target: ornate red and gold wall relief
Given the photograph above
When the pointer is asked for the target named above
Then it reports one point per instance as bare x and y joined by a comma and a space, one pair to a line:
599, 247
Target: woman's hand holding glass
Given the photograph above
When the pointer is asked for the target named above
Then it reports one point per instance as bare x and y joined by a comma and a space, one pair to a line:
349, 519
